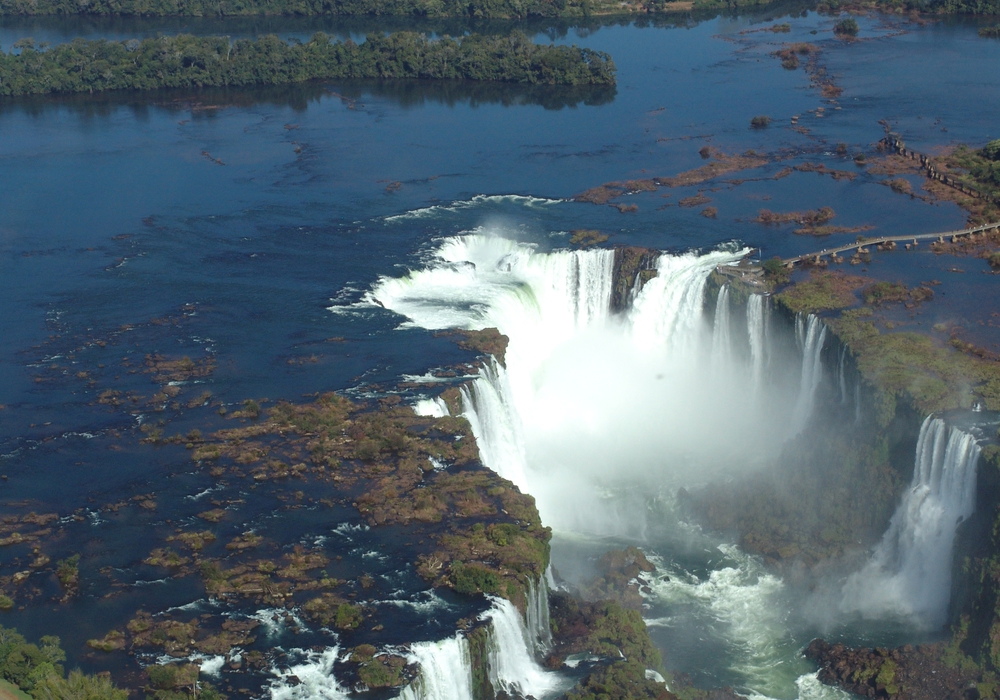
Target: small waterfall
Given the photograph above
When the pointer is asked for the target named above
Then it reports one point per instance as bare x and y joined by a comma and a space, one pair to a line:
539, 627
757, 323
495, 423
721, 343
841, 379
910, 570
433, 408
445, 671
811, 335
446, 666
512, 668
857, 401
668, 312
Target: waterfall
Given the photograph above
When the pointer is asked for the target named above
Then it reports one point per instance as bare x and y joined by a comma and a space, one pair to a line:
539, 627
434, 408
841, 379
910, 570
757, 322
589, 404
721, 344
512, 668
446, 666
811, 335
445, 671
312, 679
668, 312
489, 408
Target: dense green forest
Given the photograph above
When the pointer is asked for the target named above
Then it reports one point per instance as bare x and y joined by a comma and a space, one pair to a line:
483, 9
189, 61
496, 9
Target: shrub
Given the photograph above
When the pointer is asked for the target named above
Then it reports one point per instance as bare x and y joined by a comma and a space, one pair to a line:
846, 27
348, 616
470, 579
760, 121
992, 149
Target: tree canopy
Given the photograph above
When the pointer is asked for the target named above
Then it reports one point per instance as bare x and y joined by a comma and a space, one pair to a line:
189, 61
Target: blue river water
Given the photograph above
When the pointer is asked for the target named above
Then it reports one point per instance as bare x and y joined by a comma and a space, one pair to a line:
243, 215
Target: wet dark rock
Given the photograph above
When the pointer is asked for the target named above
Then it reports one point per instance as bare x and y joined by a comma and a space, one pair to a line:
906, 673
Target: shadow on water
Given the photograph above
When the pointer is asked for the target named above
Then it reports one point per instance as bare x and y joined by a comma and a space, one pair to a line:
298, 96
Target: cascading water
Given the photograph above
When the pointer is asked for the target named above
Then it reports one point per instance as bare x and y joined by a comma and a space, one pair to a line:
757, 325
446, 666
841, 379
598, 416
811, 335
511, 666
721, 343
445, 671
312, 679
537, 614
910, 571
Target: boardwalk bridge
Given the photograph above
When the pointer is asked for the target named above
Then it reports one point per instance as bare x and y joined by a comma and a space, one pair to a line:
750, 271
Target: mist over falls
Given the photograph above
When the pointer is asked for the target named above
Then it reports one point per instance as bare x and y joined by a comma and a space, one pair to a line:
622, 386
590, 402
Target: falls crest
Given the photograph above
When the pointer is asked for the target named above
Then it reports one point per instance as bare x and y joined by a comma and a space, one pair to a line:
909, 573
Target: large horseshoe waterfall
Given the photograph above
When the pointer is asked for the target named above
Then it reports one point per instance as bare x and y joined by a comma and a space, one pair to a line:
603, 415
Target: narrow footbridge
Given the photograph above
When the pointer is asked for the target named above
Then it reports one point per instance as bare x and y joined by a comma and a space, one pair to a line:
861, 246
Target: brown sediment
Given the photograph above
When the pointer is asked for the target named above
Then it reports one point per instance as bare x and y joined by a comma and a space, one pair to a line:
791, 56
694, 201
488, 341
709, 212
823, 170
813, 217
892, 164
829, 230
584, 238
721, 164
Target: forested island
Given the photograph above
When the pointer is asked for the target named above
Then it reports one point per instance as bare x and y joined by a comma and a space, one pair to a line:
189, 61
478, 9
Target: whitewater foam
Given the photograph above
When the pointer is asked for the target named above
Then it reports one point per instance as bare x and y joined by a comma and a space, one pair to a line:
910, 571
310, 679
478, 201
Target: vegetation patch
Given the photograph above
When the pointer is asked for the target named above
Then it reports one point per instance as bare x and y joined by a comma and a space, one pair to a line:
823, 291
488, 341
936, 378
811, 218
586, 238
190, 61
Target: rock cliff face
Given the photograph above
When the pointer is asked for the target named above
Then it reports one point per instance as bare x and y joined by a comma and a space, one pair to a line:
866, 460
633, 266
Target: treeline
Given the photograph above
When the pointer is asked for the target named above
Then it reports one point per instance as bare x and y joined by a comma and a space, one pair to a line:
37, 670
939, 7
495, 9
189, 61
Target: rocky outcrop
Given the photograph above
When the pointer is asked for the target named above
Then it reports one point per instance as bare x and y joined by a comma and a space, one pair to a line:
633, 266
906, 673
